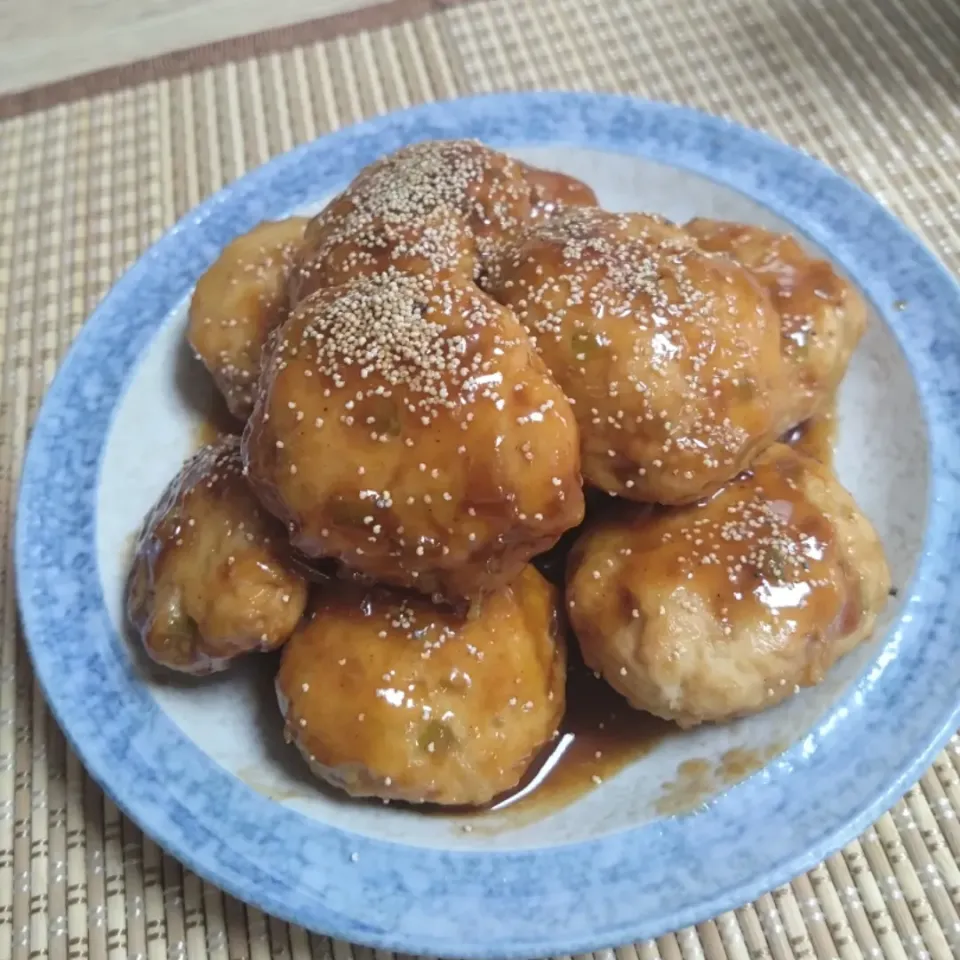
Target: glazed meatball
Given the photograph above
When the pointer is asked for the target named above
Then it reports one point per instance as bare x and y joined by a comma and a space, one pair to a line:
442, 204
822, 317
670, 356
439, 242
552, 192
728, 606
406, 427
236, 304
387, 695
211, 578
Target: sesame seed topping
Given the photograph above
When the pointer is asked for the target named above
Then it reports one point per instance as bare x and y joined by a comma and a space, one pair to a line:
401, 205
580, 272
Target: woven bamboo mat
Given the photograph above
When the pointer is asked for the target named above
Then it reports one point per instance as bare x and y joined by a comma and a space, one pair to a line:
92, 171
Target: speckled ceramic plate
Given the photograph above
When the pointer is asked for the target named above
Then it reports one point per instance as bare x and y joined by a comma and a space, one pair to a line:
201, 766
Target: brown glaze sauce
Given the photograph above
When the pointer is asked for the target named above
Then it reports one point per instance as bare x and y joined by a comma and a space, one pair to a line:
217, 422
691, 787
816, 437
789, 572
552, 190
697, 781
600, 735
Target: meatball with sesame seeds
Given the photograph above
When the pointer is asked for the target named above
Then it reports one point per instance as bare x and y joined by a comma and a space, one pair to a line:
822, 316
670, 356
406, 428
441, 204
236, 304
728, 606
387, 695
438, 242
211, 577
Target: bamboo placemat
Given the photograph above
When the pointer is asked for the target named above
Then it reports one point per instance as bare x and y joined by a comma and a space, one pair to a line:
92, 171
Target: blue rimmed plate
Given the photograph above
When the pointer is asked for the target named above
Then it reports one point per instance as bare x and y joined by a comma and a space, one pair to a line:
201, 767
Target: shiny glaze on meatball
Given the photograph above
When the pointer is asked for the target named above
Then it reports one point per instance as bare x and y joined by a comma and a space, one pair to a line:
822, 317
211, 577
552, 192
671, 357
442, 204
236, 304
388, 695
728, 606
406, 427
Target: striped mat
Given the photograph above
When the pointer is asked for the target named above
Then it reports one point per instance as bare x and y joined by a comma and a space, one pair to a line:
93, 170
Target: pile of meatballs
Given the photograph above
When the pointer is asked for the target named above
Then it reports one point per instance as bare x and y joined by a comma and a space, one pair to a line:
427, 377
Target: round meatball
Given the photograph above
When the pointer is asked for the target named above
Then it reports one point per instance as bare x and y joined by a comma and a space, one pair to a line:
444, 203
439, 242
552, 192
670, 356
211, 577
236, 304
406, 427
822, 316
387, 695
728, 606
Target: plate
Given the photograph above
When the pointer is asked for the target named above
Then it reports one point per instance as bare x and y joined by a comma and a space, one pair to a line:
201, 766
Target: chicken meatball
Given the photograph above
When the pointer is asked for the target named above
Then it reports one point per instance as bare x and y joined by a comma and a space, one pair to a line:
236, 304
211, 578
670, 356
387, 695
822, 317
444, 203
439, 242
406, 428
725, 607
552, 192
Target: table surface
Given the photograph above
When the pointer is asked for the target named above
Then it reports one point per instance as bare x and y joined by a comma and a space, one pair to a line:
48, 41
93, 170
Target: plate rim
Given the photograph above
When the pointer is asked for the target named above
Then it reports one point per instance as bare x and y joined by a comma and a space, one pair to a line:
586, 110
